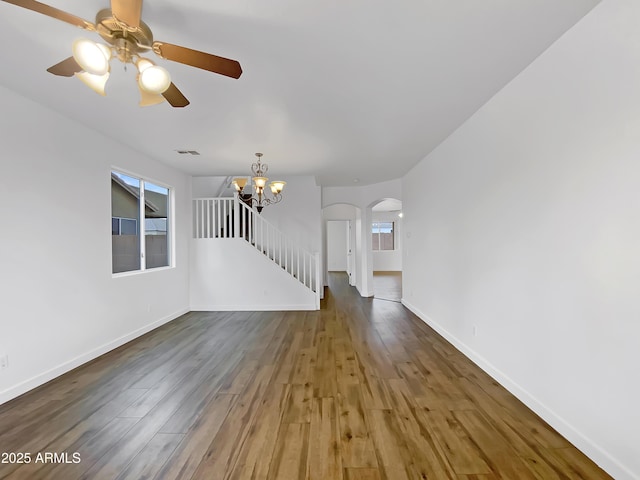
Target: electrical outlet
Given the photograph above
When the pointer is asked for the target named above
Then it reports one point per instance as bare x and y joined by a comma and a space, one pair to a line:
4, 362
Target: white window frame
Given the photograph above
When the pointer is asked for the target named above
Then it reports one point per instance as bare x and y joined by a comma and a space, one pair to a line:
141, 224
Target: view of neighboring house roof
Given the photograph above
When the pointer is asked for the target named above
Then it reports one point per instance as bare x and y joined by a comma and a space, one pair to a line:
135, 192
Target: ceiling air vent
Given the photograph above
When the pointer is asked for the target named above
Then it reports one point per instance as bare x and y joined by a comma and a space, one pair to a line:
188, 152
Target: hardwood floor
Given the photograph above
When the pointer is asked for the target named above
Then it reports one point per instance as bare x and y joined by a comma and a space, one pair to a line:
359, 390
387, 286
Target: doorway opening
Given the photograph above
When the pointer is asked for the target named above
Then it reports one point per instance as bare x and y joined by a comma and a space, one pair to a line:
339, 248
386, 245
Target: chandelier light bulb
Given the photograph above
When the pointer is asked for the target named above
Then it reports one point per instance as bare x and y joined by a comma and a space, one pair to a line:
154, 79
91, 56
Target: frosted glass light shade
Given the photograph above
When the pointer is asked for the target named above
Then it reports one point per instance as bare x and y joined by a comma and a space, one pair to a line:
260, 182
154, 79
143, 64
106, 50
91, 56
239, 183
277, 186
96, 83
148, 99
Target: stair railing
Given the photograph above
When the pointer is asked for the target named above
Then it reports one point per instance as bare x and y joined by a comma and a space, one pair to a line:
224, 217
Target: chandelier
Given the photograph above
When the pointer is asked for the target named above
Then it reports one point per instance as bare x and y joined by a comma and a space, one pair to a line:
259, 199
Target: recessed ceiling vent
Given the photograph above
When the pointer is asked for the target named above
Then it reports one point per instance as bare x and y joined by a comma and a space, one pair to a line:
188, 152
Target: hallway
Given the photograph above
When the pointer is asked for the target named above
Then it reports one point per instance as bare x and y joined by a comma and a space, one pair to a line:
359, 390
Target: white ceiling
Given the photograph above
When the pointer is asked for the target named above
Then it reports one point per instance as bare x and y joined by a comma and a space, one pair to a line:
342, 90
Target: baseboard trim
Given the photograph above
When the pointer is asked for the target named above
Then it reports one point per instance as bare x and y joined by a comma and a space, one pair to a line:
42, 378
251, 308
607, 462
366, 294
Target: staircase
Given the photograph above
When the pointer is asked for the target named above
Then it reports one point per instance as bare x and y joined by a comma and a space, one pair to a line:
225, 217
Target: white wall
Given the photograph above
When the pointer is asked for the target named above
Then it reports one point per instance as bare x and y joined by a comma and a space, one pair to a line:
362, 196
389, 260
525, 224
60, 304
229, 274
210, 187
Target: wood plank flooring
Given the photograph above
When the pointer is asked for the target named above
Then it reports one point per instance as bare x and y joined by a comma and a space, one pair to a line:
387, 286
361, 390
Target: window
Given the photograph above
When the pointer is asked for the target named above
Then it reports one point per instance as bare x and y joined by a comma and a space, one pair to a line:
382, 236
124, 226
139, 245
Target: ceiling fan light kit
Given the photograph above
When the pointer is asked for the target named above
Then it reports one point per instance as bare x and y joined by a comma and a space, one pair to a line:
127, 37
94, 59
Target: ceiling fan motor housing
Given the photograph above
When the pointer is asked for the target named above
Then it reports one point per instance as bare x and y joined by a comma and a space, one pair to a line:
127, 41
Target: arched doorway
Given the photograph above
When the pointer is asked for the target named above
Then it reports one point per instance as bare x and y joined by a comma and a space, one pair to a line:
386, 246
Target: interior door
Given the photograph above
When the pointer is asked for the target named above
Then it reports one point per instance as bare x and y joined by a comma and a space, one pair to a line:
350, 257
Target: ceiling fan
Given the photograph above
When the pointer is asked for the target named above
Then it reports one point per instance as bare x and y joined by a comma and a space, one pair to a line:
128, 37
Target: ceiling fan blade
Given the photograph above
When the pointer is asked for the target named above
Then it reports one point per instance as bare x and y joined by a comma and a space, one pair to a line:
127, 11
52, 12
195, 58
175, 97
65, 68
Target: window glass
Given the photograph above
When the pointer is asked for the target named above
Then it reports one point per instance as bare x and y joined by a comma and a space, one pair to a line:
125, 203
382, 236
139, 245
155, 222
